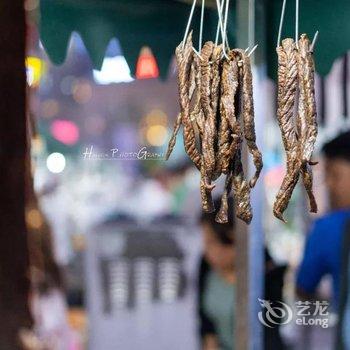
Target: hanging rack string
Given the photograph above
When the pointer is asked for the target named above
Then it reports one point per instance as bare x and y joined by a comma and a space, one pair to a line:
281, 23
218, 5
224, 39
218, 25
189, 23
297, 24
252, 50
314, 42
200, 41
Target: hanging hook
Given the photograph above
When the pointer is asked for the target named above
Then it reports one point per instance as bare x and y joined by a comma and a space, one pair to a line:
189, 23
314, 42
281, 23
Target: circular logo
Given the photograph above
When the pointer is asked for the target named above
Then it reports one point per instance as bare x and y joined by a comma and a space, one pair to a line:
273, 314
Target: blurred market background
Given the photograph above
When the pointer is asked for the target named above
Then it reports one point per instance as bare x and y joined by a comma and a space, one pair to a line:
102, 79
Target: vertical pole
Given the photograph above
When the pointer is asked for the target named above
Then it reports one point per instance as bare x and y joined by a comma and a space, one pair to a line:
14, 283
241, 331
250, 240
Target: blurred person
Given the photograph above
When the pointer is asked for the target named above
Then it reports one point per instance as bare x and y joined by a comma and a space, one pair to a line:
217, 284
324, 246
343, 330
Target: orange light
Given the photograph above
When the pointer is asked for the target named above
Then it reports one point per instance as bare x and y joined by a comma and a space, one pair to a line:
146, 67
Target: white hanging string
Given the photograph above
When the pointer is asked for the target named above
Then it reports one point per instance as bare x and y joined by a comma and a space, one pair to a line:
252, 50
225, 42
218, 25
189, 23
314, 42
218, 5
251, 23
281, 23
200, 41
297, 23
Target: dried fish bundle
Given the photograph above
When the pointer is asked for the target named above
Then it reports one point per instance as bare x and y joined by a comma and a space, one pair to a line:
287, 87
296, 74
217, 112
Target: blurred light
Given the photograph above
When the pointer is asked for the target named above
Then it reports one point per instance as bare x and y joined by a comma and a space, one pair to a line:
35, 68
82, 92
146, 67
37, 144
66, 84
156, 116
156, 135
34, 219
30, 5
49, 108
94, 125
114, 70
65, 131
274, 176
56, 162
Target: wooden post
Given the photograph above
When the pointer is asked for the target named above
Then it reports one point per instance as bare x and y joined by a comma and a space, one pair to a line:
14, 283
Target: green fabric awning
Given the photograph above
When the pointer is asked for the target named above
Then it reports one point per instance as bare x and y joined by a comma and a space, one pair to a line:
159, 24
330, 18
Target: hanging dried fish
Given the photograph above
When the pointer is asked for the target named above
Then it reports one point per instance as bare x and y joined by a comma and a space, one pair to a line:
209, 130
229, 134
307, 116
184, 57
248, 115
287, 86
296, 68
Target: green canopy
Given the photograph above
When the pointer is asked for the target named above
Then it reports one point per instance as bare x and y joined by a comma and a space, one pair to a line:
330, 18
160, 25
